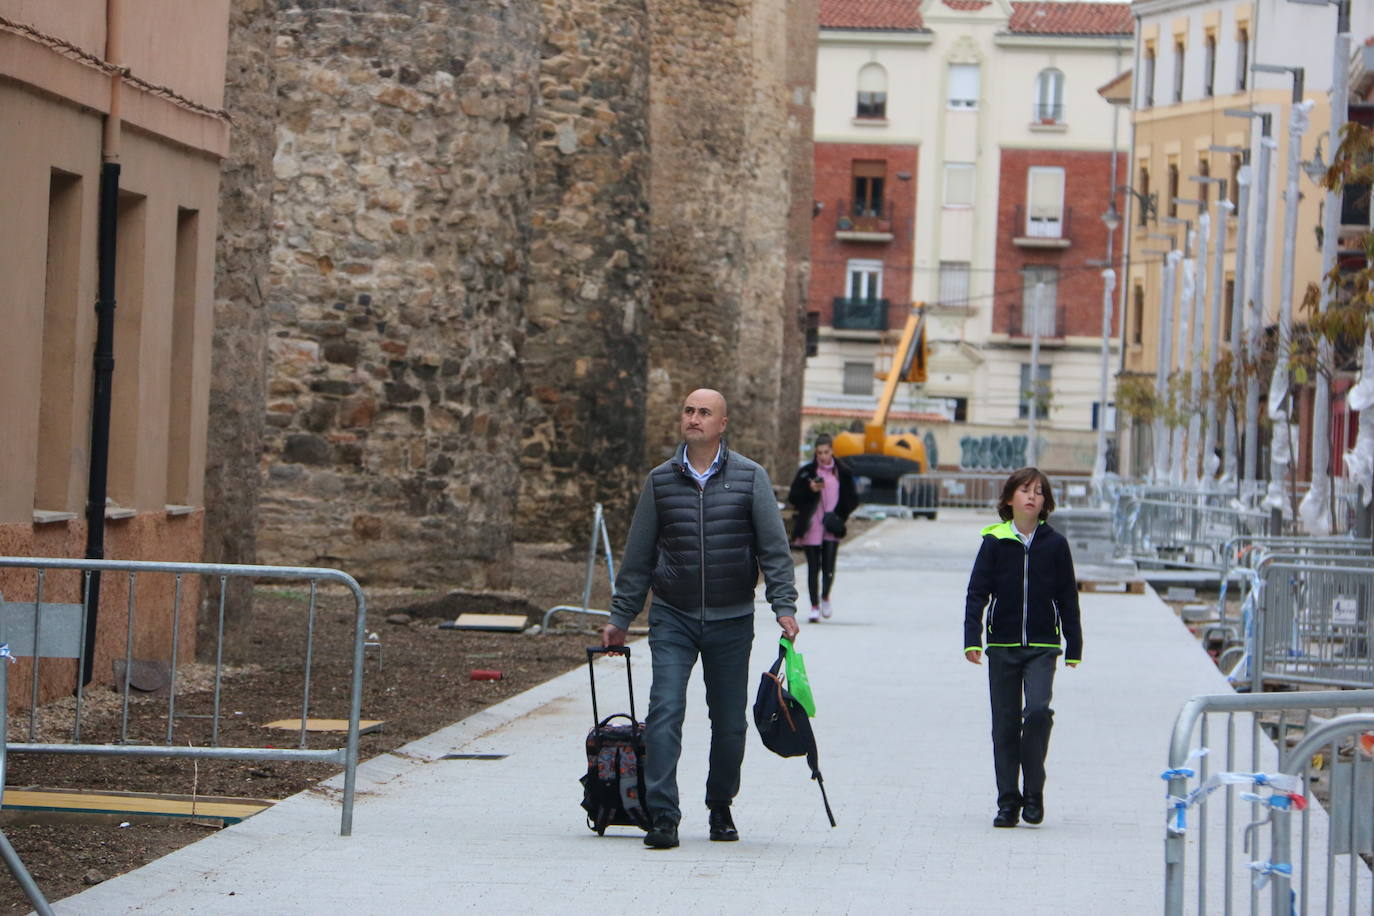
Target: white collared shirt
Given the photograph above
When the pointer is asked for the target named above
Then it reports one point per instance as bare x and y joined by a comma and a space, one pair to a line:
1025, 538
702, 477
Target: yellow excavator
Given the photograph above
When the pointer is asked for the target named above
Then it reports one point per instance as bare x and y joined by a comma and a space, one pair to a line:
883, 457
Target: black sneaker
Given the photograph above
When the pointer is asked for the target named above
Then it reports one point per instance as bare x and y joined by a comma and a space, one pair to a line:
722, 825
1006, 817
664, 834
1033, 810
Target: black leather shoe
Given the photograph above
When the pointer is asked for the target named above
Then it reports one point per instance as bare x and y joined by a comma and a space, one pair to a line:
722, 826
1006, 817
664, 834
1033, 810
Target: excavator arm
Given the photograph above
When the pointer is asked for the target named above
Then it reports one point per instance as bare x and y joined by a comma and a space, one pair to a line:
908, 365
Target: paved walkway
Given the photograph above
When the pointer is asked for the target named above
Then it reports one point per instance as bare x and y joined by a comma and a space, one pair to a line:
903, 731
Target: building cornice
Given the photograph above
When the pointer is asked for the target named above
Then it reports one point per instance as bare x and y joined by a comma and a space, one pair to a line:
1062, 42
1143, 8
866, 139
865, 37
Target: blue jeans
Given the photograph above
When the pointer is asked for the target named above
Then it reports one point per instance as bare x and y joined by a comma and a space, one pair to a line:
675, 641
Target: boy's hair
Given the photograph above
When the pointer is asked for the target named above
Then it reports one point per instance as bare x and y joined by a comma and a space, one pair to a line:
1016, 481
823, 439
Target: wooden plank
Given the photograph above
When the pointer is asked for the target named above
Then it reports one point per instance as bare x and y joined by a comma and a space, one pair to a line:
365, 726
1129, 587
506, 623
131, 803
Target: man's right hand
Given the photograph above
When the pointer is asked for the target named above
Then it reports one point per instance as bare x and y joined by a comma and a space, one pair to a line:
612, 635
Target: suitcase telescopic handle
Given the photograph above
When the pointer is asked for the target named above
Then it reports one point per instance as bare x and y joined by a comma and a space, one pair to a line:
592, 653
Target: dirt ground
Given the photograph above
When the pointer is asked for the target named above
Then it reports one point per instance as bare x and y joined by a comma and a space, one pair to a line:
420, 684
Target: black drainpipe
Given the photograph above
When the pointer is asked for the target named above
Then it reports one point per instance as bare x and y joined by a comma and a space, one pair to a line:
100, 404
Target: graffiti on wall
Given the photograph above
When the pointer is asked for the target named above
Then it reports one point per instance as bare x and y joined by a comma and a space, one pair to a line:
992, 453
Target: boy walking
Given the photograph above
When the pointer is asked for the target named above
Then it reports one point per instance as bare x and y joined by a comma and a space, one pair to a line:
1024, 566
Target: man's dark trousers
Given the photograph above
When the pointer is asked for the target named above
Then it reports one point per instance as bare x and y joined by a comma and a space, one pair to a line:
1020, 733
675, 641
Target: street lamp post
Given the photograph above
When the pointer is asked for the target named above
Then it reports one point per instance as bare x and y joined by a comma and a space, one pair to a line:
1209, 428
1259, 275
1280, 451
1031, 413
1187, 292
1315, 507
1229, 472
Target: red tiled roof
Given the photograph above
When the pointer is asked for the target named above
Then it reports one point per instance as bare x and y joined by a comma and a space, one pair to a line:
873, 15
1051, 17
1028, 17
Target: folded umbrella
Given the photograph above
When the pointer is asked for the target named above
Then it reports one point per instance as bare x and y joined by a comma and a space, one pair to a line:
782, 720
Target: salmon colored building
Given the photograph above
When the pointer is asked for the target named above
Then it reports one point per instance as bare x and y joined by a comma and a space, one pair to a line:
111, 138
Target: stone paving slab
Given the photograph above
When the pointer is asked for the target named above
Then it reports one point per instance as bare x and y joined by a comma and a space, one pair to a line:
904, 735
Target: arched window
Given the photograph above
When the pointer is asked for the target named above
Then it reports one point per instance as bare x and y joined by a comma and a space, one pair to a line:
1049, 96
872, 101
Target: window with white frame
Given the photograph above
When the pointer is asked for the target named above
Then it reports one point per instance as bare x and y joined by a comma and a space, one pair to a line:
963, 86
1049, 97
1045, 203
1242, 58
1039, 299
872, 101
1209, 65
958, 184
1148, 79
858, 378
865, 280
1180, 62
954, 283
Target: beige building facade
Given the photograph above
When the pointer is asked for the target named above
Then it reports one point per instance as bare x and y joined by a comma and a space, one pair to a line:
1193, 63
137, 83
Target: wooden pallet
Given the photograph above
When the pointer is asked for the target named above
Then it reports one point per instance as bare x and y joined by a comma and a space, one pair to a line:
129, 805
1120, 587
365, 726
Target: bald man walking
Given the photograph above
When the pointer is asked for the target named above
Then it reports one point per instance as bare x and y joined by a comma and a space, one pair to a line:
706, 524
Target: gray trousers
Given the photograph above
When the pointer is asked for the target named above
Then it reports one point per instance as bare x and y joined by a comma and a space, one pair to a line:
1020, 682
675, 641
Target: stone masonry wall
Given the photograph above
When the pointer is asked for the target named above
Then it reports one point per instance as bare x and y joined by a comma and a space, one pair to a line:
399, 272
721, 196
585, 354
239, 348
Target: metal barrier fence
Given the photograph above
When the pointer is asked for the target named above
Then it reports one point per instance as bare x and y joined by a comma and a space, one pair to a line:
1313, 624
600, 543
1181, 534
1206, 836
1349, 787
971, 490
40, 628
1245, 551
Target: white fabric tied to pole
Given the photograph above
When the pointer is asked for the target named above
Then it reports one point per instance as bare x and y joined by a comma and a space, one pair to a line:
1280, 449
1195, 452
1166, 337
1359, 461
1185, 318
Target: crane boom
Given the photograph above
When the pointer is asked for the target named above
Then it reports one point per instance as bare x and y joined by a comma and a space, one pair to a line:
910, 349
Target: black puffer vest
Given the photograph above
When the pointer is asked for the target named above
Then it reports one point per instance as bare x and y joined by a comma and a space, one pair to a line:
714, 523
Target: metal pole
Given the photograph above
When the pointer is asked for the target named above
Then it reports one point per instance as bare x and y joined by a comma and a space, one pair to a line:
1187, 292
1280, 451
1260, 277
1230, 469
1209, 435
1108, 286
1031, 450
1195, 456
1315, 507
1166, 359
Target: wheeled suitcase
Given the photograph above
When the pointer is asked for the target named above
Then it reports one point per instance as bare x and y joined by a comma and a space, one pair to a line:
613, 786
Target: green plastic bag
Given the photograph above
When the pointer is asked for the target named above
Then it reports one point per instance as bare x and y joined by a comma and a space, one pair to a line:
798, 684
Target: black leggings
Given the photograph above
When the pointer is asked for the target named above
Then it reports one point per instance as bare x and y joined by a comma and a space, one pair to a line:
820, 561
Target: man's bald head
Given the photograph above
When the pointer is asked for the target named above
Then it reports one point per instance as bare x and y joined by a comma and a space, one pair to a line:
703, 419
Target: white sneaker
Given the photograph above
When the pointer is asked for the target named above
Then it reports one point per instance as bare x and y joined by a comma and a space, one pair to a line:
815, 616
826, 609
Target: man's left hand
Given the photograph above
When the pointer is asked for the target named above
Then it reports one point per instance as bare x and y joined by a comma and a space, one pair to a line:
789, 626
